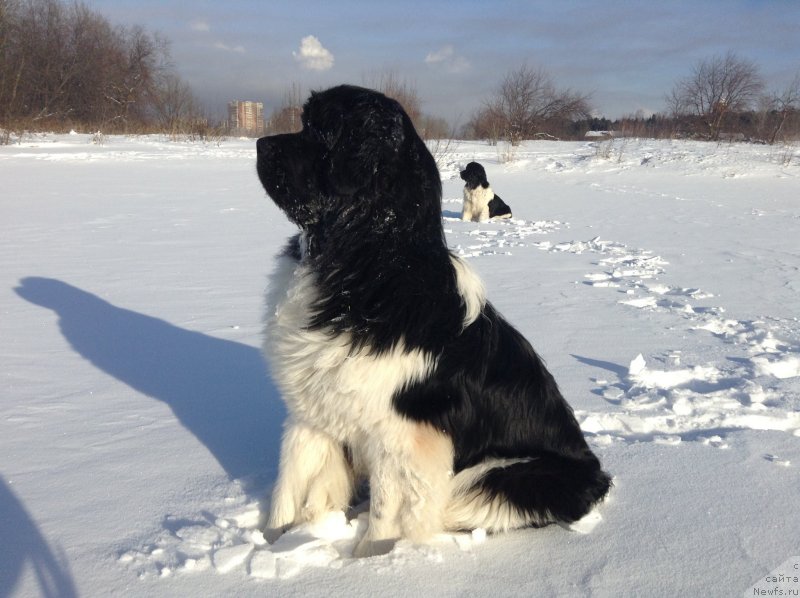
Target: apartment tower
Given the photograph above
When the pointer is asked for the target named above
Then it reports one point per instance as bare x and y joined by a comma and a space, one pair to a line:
246, 117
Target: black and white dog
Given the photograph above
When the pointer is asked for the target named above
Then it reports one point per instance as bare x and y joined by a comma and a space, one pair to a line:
393, 365
480, 202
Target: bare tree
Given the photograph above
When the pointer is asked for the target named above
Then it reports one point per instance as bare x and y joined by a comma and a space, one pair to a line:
781, 106
487, 123
528, 104
391, 85
176, 107
435, 127
63, 65
92, 59
286, 117
41, 52
10, 65
717, 87
128, 90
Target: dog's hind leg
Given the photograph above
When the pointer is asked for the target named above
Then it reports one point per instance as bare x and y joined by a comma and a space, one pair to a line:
503, 494
314, 478
409, 487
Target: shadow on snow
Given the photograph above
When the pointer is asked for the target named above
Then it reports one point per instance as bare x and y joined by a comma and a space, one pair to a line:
218, 389
24, 546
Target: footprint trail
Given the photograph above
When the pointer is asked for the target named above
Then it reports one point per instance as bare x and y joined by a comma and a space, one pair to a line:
662, 399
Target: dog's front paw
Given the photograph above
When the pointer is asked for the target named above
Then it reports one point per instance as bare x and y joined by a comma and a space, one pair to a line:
271, 534
368, 547
279, 521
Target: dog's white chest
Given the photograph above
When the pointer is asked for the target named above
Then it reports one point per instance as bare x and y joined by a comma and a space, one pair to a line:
476, 204
324, 382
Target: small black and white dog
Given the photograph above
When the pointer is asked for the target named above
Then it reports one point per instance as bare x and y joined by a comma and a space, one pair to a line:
480, 202
393, 365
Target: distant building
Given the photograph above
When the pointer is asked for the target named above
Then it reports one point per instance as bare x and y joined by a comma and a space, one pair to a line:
602, 134
245, 117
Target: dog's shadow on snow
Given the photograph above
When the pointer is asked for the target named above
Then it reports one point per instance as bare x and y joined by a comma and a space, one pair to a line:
218, 389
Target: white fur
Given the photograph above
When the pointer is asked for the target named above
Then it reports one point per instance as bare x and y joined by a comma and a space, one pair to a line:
471, 288
337, 396
476, 204
470, 509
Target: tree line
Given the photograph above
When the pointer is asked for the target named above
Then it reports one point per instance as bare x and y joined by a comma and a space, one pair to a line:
64, 65
285, 118
724, 97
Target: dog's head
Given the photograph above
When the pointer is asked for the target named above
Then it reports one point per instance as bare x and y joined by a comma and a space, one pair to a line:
474, 175
358, 158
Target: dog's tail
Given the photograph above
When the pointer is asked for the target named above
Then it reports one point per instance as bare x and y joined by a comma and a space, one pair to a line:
503, 494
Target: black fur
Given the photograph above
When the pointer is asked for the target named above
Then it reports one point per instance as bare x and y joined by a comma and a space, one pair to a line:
498, 208
494, 397
474, 175
366, 192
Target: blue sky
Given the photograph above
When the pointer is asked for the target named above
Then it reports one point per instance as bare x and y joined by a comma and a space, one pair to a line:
626, 54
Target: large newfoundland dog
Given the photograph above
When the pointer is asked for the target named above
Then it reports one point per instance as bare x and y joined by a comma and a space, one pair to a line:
393, 365
480, 202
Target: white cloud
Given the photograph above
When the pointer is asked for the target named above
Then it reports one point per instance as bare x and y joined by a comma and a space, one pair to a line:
226, 48
441, 55
203, 26
313, 55
447, 59
199, 25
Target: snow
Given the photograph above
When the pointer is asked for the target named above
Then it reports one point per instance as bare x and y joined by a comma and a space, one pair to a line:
139, 430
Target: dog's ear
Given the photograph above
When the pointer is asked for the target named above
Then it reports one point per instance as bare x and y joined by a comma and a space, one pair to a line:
372, 136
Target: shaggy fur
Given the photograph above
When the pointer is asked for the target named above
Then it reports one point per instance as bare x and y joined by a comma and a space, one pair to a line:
393, 365
480, 202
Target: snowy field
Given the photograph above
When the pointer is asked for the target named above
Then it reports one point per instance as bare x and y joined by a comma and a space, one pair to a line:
139, 430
